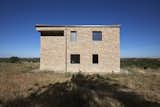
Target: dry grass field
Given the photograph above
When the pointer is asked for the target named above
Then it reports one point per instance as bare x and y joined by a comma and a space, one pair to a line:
17, 80
22, 85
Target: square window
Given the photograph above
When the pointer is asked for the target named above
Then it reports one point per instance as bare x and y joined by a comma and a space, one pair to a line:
75, 58
97, 35
73, 36
95, 58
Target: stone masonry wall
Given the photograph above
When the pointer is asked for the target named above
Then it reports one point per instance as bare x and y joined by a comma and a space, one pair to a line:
54, 50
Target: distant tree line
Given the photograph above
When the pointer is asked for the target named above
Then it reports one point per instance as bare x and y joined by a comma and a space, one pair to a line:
141, 62
125, 62
15, 59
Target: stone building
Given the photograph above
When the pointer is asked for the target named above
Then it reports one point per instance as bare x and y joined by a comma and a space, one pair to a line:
85, 48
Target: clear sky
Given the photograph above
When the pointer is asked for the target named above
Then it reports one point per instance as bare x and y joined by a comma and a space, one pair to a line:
139, 19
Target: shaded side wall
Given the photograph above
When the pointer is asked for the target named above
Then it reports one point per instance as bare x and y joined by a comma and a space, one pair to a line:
52, 53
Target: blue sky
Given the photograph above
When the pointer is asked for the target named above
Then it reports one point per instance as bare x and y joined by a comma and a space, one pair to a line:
139, 19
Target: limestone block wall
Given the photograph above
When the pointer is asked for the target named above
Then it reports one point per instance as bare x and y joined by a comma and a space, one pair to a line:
107, 50
56, 50
52, 56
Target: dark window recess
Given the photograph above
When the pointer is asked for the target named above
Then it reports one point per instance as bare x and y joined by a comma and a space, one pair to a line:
95, 59
52, 33
97, 35
75, 58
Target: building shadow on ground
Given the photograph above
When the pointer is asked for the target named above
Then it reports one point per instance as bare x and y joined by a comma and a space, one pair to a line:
83, 91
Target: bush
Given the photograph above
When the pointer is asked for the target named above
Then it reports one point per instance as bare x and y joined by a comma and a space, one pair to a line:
14, 59
144, 63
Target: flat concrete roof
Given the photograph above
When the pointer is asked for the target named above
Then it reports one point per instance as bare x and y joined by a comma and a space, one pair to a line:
46, 25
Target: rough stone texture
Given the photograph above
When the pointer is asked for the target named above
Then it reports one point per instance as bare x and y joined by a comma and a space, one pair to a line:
56, 50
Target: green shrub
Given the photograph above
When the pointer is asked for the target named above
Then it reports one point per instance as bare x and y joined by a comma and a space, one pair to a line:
14, 59
144, 63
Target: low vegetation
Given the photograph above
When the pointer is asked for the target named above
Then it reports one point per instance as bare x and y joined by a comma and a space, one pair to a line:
15, 59
22, 85
153, 63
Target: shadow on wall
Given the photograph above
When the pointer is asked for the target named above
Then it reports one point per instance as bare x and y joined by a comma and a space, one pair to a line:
83, 91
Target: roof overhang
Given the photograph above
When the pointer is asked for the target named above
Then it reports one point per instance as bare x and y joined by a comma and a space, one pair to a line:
44, 27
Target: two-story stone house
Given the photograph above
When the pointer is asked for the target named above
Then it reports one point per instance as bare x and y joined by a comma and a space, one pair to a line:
85, 48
